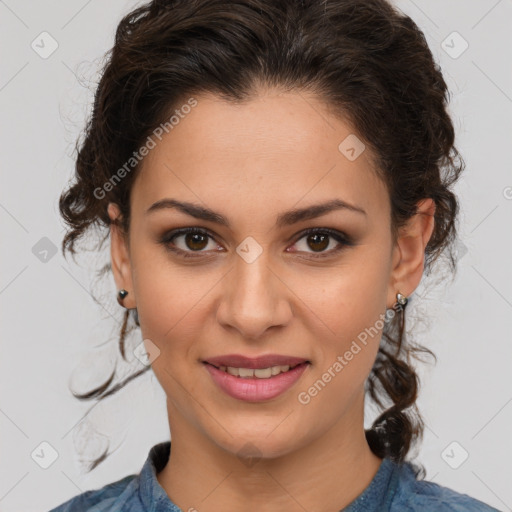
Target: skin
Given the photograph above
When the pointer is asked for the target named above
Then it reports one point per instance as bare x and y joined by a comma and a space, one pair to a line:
250, 163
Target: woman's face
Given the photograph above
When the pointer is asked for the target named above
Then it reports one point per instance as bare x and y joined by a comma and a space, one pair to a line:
255, 284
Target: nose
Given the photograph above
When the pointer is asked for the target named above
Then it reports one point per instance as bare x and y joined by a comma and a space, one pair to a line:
254, 299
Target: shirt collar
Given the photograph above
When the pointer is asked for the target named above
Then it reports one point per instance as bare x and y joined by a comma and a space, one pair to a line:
379, 493
151, 493
375, 498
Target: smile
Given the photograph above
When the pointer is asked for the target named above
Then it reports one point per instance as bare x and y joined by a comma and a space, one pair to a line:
256, 384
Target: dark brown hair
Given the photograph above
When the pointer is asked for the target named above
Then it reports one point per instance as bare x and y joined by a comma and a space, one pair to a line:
365, 59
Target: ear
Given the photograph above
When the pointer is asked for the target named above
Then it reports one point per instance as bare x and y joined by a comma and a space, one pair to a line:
120, 256
409, 251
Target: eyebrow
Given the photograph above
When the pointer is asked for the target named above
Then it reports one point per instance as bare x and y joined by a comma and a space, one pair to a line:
284, 219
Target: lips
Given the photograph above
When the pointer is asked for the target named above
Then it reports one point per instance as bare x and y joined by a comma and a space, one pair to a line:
261, 362
256, 389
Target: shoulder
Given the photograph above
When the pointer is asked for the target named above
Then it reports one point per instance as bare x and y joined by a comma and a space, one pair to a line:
132, 493
98, 500
413, 495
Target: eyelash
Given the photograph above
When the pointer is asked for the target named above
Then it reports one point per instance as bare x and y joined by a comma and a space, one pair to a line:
340, 237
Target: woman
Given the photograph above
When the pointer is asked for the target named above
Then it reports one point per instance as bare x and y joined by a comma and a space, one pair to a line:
276, 178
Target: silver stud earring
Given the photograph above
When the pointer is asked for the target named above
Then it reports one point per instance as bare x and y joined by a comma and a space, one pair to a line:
401, 299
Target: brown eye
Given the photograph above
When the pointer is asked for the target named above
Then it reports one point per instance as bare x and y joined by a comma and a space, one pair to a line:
196, 241
193, 242
318, 242
188, 241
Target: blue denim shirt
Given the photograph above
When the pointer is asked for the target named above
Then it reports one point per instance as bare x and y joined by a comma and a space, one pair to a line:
394, 488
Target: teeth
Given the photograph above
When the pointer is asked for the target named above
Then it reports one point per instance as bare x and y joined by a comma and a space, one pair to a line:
275, 370
263, 373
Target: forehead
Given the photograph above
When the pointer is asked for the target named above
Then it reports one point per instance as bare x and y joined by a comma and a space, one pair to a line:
276, 150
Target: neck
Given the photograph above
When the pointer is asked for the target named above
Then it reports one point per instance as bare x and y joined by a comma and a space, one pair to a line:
324, 474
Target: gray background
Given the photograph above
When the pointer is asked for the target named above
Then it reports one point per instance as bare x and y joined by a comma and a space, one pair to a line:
54, 334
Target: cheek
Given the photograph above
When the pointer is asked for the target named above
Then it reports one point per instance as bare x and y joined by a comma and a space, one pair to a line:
347, 300
348, 310
345, 355
171, 302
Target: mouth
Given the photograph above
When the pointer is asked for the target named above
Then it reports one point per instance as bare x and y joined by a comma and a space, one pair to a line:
260, 383
259, 373
263, 367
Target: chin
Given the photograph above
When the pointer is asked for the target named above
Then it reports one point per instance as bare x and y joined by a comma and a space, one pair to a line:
252, 446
